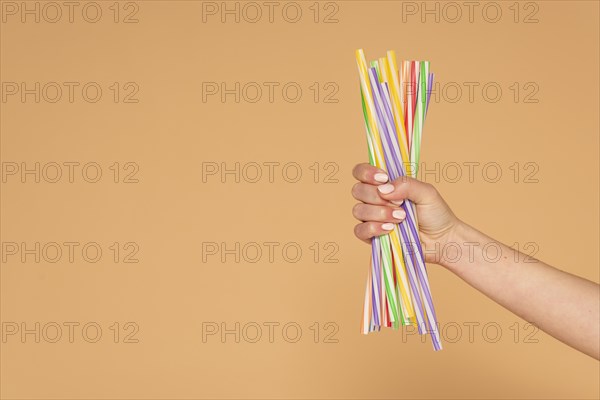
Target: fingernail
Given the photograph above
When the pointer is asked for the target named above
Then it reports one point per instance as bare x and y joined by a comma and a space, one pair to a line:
399, 214
387, 227
398, 202
385, 189
383, 178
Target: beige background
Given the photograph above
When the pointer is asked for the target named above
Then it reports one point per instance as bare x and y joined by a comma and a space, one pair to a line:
170, 132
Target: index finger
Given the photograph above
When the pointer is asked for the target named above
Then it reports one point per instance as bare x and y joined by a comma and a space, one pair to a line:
367, 173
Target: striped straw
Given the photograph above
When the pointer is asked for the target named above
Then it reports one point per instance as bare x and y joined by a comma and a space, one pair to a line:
394, 107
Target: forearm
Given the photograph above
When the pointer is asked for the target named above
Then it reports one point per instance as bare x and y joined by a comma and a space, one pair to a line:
563, 305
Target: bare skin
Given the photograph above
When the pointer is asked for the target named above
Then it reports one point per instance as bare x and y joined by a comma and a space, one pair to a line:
563, 305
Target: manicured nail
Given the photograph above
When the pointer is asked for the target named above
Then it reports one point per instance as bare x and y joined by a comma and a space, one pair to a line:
398, 202
383, 178
387, 226
385, 189
399, 214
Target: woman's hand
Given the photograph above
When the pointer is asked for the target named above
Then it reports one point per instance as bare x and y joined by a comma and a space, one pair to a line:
380, 208
535, 291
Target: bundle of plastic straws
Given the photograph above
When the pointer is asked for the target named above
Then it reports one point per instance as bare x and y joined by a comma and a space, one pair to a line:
394, 105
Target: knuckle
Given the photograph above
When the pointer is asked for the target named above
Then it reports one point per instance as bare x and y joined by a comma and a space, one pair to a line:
401, 185
383, 213
357, 210
429, 188
402, 180
372, 229
356, 190
357, 231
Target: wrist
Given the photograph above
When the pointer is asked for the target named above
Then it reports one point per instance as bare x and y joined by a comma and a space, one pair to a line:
456, 250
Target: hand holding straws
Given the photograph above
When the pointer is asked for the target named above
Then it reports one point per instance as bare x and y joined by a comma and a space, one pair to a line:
394, 107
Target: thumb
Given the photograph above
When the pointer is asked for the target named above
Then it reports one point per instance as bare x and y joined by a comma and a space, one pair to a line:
408, 188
